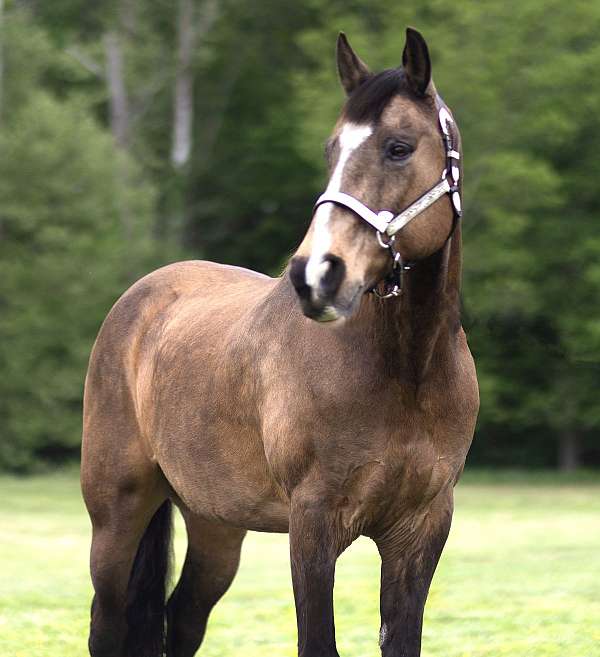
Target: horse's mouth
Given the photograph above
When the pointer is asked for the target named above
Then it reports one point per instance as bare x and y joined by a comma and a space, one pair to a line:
326, 314
332, 312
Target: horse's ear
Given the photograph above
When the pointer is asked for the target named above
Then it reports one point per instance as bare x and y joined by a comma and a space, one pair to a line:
353, 71
416, 62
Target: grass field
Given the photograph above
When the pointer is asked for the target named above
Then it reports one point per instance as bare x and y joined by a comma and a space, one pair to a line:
520, 576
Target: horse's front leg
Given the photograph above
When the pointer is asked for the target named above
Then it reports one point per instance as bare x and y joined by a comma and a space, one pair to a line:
410, 551
315, 543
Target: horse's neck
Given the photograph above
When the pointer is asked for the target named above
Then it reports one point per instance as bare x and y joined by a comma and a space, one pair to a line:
408, 331
419, 326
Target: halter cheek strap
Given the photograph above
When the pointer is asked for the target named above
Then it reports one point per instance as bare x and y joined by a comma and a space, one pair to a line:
387, 223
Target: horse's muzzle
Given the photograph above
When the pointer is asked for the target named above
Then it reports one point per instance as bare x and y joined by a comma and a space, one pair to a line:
317, 293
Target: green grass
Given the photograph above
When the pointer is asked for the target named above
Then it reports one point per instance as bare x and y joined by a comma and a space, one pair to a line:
520, 576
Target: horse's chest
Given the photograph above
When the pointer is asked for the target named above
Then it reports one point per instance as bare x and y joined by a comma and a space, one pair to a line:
404, 477
374, 450
398, 465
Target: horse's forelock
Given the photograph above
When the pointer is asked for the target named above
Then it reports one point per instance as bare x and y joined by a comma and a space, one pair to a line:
367, 103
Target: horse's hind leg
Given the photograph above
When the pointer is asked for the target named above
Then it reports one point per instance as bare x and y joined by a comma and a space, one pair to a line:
113, 551
123, 492
210, 565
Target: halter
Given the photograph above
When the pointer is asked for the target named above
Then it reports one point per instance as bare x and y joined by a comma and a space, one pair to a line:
387, 224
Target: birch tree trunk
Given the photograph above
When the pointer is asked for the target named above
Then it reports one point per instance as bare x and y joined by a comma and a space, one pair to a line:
569, 451
117, 91
1, 76
1, 59
183, 102
119, 112
193, 24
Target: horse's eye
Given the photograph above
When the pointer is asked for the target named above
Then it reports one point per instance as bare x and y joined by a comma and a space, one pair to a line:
398, 151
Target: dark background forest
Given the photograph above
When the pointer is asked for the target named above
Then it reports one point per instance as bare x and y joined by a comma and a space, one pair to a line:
135, 133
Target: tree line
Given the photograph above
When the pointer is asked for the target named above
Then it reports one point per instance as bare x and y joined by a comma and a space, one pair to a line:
136, 133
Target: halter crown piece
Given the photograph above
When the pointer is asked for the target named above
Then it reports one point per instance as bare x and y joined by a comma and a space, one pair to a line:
387, 224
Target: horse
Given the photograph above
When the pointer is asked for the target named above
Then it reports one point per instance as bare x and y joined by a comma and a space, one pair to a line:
334, 401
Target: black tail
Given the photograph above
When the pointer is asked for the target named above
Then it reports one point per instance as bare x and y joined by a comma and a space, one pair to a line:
146, 592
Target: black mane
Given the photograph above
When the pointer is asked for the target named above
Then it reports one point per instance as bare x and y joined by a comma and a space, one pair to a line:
367, 103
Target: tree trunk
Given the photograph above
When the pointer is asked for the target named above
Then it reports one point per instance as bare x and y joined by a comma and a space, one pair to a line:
190, 29
117, 91
119, 117
183, 105
1, 59
1, 75
192, 25
569, 451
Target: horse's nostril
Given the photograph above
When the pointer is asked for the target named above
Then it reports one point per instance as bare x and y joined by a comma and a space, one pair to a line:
327, 282
333, 276
298, 277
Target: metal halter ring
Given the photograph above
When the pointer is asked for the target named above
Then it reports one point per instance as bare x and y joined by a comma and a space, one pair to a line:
382, 244
396, 291
397, 269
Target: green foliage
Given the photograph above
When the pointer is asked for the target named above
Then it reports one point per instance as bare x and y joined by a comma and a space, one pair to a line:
64, 259
79, 220
250, 186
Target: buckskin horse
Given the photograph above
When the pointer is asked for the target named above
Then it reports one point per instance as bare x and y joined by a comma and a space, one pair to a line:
335, 401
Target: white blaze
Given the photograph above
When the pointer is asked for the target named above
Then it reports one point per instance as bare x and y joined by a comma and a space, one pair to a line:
351, 137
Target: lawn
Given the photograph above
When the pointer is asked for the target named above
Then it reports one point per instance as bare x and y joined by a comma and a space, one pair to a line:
520, 576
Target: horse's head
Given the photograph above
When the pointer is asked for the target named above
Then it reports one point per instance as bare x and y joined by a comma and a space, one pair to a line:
386, 150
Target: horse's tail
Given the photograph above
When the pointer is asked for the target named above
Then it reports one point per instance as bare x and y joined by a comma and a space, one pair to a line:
146, 592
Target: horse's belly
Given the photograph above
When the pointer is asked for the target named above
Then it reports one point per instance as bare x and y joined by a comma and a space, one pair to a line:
225, 477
